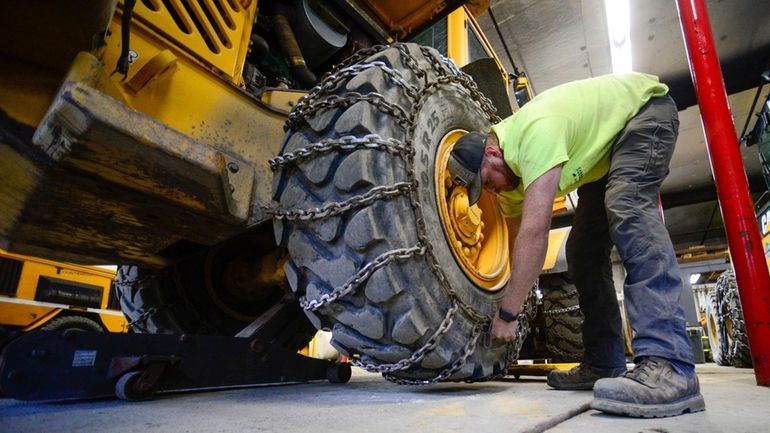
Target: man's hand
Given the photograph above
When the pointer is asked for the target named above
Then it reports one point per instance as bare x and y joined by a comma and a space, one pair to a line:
504, 330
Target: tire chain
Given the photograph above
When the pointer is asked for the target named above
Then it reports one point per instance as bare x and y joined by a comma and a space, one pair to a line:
138, 324
313, 103
557, 350
362, 275
332, 82
733, 312
346, 143
449, 371
464, 80
300, 113
556, 311
418, 355
336, 208
144, 315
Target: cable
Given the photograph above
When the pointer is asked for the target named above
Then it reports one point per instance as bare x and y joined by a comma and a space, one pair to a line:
125, 30
505, 45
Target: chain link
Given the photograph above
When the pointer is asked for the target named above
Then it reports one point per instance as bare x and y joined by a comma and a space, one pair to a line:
142, 319
449, 371
561, 353
440, 65
335, 101
335, 208
418, 355
121, 286
345, 143
354, 58
561, 310
332, 82
362, 275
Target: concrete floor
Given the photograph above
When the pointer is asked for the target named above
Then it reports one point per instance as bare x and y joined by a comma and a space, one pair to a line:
370, 404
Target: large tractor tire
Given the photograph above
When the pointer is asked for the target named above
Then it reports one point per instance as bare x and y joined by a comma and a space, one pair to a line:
563, 318
732, 322
77, 323
364, 204
714, 329
213, 292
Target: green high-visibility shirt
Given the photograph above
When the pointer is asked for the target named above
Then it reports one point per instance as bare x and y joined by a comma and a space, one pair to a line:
574, 124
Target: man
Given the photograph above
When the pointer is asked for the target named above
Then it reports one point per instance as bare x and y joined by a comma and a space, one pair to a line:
611, 138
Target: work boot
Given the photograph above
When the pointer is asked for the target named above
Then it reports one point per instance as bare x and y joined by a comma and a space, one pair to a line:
655, 388
581, 377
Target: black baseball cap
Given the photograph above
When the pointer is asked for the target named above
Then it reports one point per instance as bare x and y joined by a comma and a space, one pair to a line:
465, 163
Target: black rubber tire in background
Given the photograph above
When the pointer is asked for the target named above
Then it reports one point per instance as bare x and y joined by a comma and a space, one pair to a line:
738, 352
563, 334
79, 323
714, 330
394, 311
153, 303
176, 301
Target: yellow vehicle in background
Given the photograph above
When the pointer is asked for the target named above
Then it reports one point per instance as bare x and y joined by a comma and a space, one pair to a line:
243, 159
51, 296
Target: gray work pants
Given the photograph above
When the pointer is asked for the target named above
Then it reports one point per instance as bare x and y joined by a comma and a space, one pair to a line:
622, 209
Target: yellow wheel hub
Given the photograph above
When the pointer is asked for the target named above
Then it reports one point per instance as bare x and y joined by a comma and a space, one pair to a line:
477, 235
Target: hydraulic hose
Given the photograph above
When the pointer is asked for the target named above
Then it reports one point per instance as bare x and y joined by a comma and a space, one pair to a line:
290, 47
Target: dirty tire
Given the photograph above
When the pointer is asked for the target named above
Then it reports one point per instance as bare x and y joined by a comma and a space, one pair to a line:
176, 301
563, 335
154, 302
78, 323
738, 352
717, 342
391, 252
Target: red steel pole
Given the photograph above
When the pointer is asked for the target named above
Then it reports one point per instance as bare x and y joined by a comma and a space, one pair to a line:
732, 187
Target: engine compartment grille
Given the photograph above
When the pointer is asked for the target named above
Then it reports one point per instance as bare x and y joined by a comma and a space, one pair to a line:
212, 30
10, 272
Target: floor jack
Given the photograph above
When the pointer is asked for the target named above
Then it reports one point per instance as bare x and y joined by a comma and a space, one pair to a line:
71, 365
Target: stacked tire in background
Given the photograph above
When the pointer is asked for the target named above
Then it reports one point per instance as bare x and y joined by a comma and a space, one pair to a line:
725, 324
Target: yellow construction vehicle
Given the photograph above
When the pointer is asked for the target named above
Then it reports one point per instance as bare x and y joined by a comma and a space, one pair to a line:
242, 159
53, 296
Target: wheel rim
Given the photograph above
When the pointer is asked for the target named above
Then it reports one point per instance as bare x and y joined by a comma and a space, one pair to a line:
477, 235
712, 329
237, 281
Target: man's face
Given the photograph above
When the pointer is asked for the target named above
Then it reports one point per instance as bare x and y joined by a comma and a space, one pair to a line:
497, 177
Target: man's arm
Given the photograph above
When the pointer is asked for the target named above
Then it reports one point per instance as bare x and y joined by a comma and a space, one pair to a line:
513, 231
529, 248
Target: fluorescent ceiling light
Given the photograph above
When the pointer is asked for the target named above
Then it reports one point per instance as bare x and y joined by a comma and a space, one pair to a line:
694, 278
619, 31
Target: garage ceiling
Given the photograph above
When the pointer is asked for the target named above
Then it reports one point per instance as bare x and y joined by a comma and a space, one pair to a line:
556, 41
